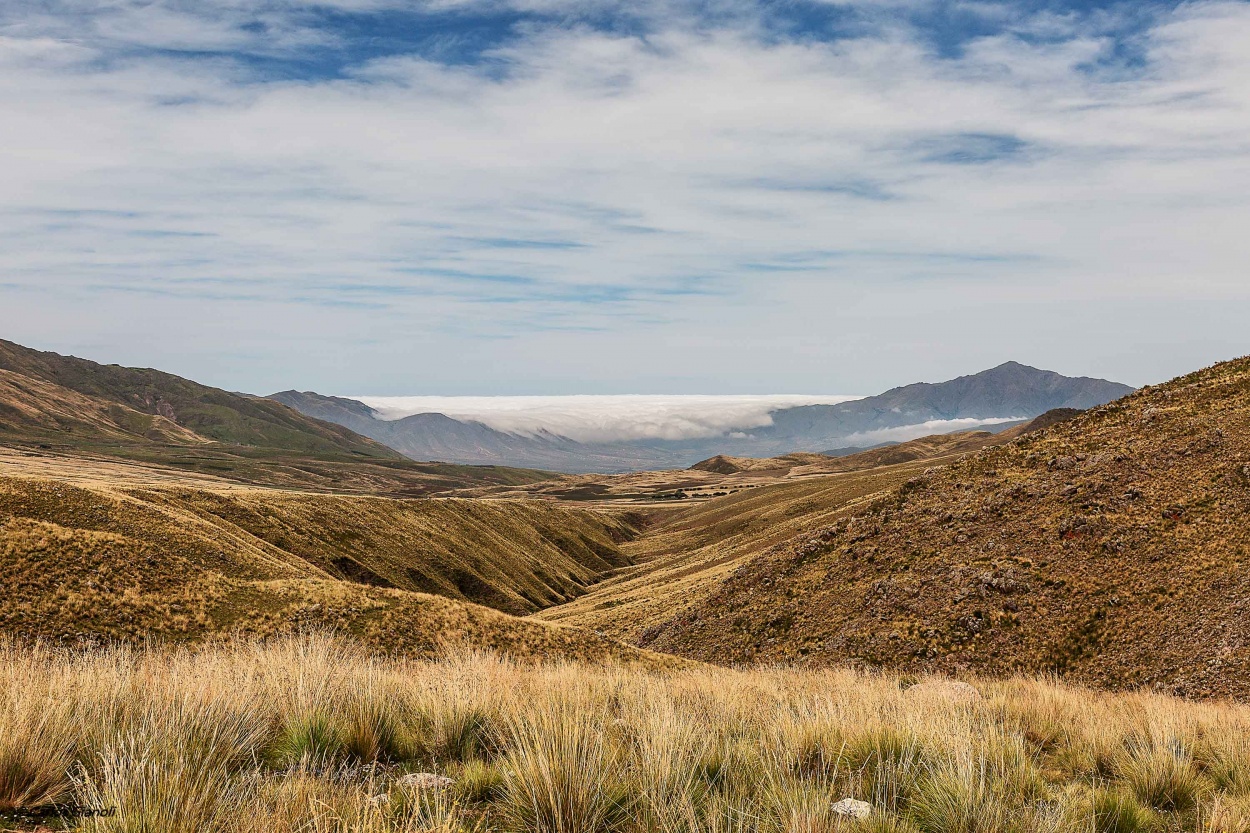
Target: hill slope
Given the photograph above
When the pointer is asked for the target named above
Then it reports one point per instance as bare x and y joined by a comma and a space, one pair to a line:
1114, 547
70, 405
513, 556
213, 414
84, 560
683, 555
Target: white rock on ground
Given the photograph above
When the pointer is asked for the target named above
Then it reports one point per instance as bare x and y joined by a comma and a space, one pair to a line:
424, 781
956, 691
852, 808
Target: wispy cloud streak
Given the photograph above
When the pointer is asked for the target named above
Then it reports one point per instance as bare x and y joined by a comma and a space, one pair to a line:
713, 190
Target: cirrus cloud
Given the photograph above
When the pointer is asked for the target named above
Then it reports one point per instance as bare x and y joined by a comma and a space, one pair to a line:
587, 195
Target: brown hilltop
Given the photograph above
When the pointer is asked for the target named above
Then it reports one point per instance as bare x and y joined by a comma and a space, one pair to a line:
1113, 547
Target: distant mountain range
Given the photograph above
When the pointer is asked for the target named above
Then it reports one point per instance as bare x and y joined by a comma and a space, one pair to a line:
439, 437
1009, 393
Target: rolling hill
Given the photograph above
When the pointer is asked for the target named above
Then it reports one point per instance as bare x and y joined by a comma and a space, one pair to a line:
1111, 547
109, 556
63, 404
213, 415
686, 552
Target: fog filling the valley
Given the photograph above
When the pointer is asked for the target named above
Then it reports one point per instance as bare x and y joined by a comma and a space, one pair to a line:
600, 419
621, 418
923, 429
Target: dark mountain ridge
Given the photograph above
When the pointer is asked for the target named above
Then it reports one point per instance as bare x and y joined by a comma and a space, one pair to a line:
433, 436
1011, 390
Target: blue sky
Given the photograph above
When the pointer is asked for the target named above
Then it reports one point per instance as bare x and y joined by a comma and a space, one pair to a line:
570, 196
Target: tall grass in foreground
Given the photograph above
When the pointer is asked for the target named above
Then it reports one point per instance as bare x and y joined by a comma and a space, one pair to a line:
312, 734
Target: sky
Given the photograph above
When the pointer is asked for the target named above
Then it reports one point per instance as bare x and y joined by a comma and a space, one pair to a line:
540, 197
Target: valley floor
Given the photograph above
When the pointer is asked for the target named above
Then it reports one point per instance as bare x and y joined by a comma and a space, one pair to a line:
316, 734
686, 553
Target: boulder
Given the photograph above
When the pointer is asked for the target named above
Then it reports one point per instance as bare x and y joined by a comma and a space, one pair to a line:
852, 808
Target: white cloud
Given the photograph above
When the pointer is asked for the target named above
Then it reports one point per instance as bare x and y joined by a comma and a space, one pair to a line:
604, 418
744, 211
904, 433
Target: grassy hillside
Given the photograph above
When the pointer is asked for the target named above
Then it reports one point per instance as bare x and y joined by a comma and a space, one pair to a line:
315, 735
684, 555
687, 552
63, 405
1112, 547
212, 414
176, 562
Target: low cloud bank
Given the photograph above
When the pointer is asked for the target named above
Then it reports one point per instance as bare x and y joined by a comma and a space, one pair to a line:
903, 433
605, 418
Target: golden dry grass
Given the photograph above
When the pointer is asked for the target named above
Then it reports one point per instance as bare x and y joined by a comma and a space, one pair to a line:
684, 555
86, 557
314, 734
86, 561
1110, 548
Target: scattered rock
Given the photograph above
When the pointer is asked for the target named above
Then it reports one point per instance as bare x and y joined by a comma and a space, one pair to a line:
852, 808
971, 624
424, 781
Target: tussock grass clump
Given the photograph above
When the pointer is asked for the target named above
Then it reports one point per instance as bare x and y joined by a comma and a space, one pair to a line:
476, 782
884, 764
457, 732
1224, 754
311, 740
139, 786
37, 742
1162, 774
1118, 810
960, 796
561, 772
314, 734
